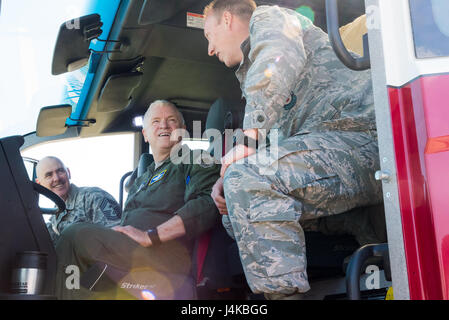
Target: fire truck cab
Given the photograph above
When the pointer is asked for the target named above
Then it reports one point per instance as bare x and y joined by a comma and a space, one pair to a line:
132, 52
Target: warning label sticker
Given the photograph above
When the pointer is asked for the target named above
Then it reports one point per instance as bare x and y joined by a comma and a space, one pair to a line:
195, 20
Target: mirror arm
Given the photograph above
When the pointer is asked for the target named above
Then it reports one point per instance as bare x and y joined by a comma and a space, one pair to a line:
108, 41
112, 51
89, 122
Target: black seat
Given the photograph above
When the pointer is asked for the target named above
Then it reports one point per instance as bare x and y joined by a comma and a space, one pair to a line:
220, 275
144, 161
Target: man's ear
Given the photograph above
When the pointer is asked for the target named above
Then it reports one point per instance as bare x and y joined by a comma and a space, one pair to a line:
37, 181
227, 19
68, 173
144, 135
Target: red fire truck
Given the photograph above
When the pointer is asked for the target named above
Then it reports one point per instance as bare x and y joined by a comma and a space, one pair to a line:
116, 58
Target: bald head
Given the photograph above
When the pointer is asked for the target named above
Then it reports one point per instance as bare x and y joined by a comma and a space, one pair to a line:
44, 162
54, 175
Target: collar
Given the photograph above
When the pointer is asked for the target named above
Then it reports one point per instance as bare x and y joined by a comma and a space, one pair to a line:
244, 64
71, 199
186, 152
180, 156
157, 165
245, 47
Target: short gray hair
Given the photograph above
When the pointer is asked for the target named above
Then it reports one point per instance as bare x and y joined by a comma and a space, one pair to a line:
164, 102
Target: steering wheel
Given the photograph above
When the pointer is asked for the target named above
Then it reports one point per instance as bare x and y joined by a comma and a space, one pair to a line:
50, 195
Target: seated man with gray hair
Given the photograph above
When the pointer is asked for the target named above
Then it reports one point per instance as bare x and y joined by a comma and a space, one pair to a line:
83, 204
167, 208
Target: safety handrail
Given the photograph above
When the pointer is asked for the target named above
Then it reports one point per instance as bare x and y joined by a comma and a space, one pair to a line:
60, 204
122, 182
333, 30
354, 269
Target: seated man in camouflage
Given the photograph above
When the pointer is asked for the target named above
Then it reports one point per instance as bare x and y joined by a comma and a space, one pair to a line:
167, 208
316, 120
83, 204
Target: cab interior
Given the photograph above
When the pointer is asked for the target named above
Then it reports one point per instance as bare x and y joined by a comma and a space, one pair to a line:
152, 54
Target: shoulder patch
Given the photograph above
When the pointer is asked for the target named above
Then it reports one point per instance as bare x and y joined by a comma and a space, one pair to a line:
290, 103
157, 177
110, 209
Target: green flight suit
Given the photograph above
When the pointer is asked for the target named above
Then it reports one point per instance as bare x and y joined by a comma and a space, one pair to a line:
181, 189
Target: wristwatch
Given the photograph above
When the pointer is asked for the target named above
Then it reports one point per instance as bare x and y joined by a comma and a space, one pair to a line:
154, 236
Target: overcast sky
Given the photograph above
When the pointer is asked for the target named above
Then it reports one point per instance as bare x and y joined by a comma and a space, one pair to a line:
28, 31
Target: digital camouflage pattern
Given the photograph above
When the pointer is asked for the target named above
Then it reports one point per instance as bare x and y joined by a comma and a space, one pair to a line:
325, 156
85, 204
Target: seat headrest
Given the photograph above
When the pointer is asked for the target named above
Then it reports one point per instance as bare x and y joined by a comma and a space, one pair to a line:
226, 114
145, 160
223, 114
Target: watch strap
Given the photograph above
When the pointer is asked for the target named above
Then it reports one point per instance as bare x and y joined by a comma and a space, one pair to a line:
154, 236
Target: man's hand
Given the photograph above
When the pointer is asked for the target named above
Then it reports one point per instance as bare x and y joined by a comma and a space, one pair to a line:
171, 229
218, 196
137, 235
238, 152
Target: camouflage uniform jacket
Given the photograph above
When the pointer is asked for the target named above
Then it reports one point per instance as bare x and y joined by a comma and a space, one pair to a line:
85, 204
293, 82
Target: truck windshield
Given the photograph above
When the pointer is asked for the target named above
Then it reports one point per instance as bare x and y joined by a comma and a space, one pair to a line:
430, 27
28, 32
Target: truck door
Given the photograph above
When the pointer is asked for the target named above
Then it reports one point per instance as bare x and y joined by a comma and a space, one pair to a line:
409, 42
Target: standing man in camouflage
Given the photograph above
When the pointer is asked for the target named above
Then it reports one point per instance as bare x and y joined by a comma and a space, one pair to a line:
326, 152
83, 204
167, 208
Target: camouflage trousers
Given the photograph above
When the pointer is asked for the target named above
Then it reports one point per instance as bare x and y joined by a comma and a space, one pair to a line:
269, 212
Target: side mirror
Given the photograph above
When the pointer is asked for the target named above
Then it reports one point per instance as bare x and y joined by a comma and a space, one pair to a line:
117, 91
73, 41
51, 120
